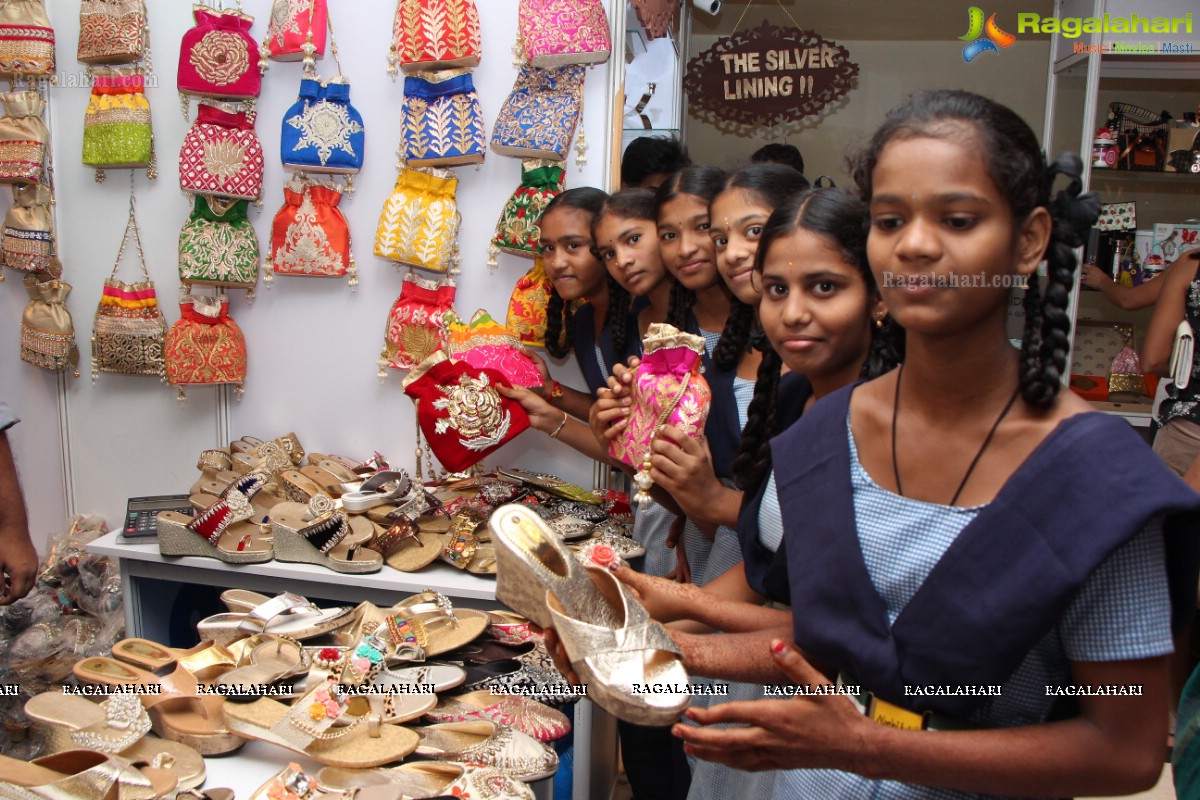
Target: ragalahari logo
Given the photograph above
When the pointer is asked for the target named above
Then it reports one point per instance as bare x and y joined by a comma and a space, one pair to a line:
992, 37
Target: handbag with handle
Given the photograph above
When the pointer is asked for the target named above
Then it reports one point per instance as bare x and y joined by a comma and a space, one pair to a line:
519, 229
218, 57
443, 121
1182, 355
416, 327
47, 331
129, 332
205, 346
112, 31
310, 235
23, 138
295, 26
539, 117
218, 246
221, 154
117, 129
29, 230
435, 34
555, 33
420, 220
27, 49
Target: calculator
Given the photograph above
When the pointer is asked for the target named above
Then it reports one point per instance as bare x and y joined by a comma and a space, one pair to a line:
141, 511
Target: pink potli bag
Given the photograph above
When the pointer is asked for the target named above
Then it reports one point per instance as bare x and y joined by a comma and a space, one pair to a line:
557, 33
667, 389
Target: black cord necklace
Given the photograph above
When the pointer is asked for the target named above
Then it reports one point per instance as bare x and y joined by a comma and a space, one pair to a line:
974, 461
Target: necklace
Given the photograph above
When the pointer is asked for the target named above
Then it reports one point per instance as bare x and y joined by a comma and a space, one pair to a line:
974, 461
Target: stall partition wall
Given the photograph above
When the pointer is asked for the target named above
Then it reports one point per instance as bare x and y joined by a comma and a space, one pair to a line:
313, 344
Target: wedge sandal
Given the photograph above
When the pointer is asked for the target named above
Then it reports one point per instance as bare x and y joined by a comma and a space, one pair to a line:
222, 531
320, 534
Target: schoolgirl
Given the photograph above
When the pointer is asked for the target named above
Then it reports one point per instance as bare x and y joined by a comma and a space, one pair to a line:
957, 522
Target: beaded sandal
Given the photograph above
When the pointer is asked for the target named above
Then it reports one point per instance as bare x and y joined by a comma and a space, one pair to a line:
320, 534
116, 726
488, 744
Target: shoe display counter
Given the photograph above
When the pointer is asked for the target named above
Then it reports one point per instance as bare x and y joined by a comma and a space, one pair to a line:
150, 583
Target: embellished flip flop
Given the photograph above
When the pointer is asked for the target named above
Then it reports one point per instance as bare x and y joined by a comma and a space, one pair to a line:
284, 615
320, 534
292, 783
406, 548
428, 779
268, 658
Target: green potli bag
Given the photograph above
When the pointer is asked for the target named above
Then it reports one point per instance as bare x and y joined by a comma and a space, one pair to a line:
519, 228
1185, 758
218, 246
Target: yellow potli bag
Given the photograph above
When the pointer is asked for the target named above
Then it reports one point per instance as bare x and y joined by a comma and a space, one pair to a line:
419, 223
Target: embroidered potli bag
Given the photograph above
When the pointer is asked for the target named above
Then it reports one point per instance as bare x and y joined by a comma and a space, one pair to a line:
527, 306
434, 34
519, 229
310, 235
296, 30
484, 342
24, 138
129, 332
667, 389
29, 230
419, 223
416, 326
218, 57
205, 346
218, 246
443, 122
112, 32
26, 40
461, 415
541, 114
118, 132
221, 154
556, 33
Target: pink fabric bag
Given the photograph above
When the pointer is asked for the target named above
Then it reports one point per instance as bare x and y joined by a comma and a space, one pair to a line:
555, 33
667, 390
218, 57
485, 343
221, 154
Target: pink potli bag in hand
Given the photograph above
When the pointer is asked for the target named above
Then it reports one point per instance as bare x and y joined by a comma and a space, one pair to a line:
667, 389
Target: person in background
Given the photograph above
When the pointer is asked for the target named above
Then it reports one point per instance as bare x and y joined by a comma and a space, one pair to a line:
18, 558
650, 160
1177, 440
786, 154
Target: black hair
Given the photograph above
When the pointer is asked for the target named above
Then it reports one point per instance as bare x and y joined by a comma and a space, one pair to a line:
773, 185
699, 181
841, 218
625, 204
650, 155
1018, 168
560, 316
786, 154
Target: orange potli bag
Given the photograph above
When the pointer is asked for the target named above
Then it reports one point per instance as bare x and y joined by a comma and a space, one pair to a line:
205, 346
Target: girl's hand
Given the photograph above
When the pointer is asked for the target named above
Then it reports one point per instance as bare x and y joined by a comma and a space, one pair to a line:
543, 416
803, 732
608, 416
666, 600
542, 369
683, 466
1094, 277
683, 570
620, 383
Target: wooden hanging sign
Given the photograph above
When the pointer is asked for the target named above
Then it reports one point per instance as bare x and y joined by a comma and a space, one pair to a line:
767, 76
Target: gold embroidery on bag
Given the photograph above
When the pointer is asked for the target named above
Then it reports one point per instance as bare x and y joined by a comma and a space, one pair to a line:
220, 58
475, 411
224, 158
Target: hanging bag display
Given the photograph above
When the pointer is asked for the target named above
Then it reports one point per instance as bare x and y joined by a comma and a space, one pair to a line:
221, 154
667, 389
205, 346
112, 32
295, 26
47, 332
519, 229
117, 129
443, 122
539, 117
129, 332
420, 220
459, 411
218, 246
556, 33
218, 57
26, 40
435, 34
29, 230
23, 138
527, 306
416, 327
310, 236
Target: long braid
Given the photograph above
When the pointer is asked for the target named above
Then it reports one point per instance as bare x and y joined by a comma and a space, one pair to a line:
886, 352
753, 460
616, 318
680, 305
735, 338
557, 343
